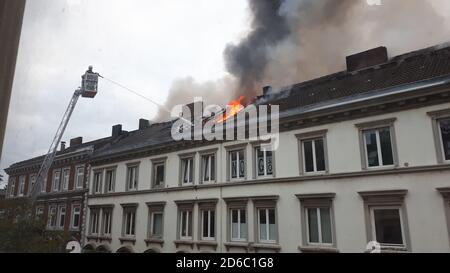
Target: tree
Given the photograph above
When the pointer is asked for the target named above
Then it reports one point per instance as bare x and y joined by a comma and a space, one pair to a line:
21, 232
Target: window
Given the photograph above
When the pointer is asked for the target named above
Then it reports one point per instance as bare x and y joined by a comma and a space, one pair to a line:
56, 180
75, 220
319, 226
317, 222
156, 221
444, 131
32, 182
132, 178
237, 164
12, 187
44, 185
110, 177
79, 177
186, 224
445, 192
159, 173
61, 217
129, 221
97, 189
264, 162
39, 211
52, 217
378, 148
106, 221
208, 224
65, 179
387, 215
313, 152
208, 168
267, 225
21, 185
94, 227
238, 224
187, 169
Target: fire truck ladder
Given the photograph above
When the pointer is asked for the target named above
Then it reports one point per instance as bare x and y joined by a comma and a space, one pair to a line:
89, 90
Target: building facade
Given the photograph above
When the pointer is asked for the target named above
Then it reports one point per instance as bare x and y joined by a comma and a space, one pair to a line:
61, 202
363, 156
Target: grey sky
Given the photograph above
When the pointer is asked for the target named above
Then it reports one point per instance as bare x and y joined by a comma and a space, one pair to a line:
143, 44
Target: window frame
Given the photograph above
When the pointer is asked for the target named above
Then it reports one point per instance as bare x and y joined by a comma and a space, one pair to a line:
113, 170
50, 216
445, 192
239, 205
391, 199
185, 207
40, 211
373, 224
128, 208
236, 149
189, 157
155, 208
266, 204
104, 210
59, 218
207, 207
94, 211
208, 153
64, 183
32, 183
155, 163
56, 187
77, 176
377, 125
312, 136
436, 118
136, 181
21, 190
259, 146
97, 184
72, 217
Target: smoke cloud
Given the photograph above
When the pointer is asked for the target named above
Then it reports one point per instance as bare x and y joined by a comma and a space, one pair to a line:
291, 41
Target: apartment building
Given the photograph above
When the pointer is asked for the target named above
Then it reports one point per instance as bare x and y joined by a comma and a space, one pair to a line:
62, 200
363, 156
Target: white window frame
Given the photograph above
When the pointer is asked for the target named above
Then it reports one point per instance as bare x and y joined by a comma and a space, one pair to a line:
185, 219
152, 224
239, 231
33, 178
373, 226
266, 210
441, 140
209, 237
379, 153
60, 215
106, 228
132, 182
79, 176
187, 160
52, 216
319, 226
129, 222
208, 157
238, 167
56, 181
313, 143
264, 150
12, 187
97, 184
110, 185
21, 191
65, 179
94, 222
72, 218
155, 174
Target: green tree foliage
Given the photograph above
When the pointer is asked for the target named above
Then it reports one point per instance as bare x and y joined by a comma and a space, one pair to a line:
21, 232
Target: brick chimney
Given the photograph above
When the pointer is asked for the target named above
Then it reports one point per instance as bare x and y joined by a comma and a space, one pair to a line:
367, 59
144, 124
116, 130
76, 141
63, 145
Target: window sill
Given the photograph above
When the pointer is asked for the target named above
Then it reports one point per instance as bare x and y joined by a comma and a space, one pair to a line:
266, 246
127, 240
184, 242
229, 245
318, 249
154, 241
206, 243
391, 249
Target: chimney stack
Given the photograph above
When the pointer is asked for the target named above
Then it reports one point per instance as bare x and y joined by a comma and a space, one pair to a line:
76, 141
63, 145
367, 59
116, 130
144, 124
267, 90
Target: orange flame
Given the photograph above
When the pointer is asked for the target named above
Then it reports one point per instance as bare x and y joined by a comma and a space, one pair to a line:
233, 108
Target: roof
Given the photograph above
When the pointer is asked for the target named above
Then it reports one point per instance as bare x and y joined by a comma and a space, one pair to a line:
401, 71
